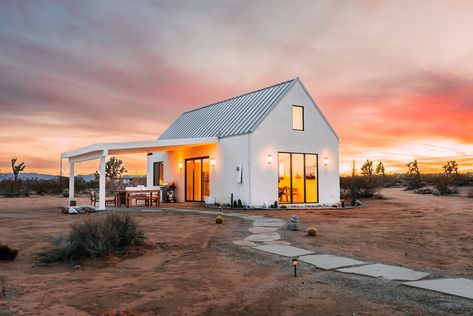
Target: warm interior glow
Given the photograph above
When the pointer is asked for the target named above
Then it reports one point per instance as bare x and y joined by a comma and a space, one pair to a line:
197, 179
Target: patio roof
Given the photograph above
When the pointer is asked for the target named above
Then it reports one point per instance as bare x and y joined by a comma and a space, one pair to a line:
96, 151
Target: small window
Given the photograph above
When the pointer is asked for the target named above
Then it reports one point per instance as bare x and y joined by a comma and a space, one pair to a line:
158, 173
297, 117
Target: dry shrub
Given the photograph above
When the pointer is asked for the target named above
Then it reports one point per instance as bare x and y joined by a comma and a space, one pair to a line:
311, 231
7, 253
3, 285
96, 237
368, 186
219, 219
444, 185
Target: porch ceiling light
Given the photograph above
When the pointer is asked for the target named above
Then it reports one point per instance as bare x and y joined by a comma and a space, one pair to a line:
325, 161
269, 159
212, 162
179, 165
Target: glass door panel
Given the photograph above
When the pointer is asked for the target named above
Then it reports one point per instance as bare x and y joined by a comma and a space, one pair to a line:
311, 178
189, 180
206, 176
297, 191
197, 180
284, 182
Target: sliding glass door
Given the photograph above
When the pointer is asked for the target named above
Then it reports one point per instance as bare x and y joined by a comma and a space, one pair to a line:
297, 178
197, 179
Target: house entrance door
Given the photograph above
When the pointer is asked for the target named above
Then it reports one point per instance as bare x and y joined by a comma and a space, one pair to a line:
197, 179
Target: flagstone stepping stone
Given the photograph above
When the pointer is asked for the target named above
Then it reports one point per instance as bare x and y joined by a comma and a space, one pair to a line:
151, 211
286, 251
386, 271
458, 286
244, 243
266, 222
251, 217
262, 230
277, 242
232, 214
328, 262
208, 212
264, 237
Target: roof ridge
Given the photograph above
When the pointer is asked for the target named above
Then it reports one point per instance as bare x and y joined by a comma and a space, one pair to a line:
238, 96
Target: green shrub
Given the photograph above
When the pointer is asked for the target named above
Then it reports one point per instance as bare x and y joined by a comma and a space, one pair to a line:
96, 237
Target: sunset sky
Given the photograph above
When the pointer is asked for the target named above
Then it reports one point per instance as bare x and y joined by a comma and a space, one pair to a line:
394, 78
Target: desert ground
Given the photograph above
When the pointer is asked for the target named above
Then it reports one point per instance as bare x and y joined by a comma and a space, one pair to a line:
190, 266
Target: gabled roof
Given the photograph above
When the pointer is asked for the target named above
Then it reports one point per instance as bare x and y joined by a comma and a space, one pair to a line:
234, 116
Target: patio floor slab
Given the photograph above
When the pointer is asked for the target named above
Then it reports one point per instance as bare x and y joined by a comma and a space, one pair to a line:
386, 271
328, 262
263, 237
286, 251
251, 217
245, 243
458, 286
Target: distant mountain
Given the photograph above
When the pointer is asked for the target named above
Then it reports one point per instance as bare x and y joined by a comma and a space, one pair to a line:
41, 176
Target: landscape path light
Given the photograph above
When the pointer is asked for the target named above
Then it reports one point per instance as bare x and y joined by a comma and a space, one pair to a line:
294, 263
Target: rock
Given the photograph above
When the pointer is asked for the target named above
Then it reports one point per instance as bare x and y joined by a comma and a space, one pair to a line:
77, 267
72, 210
294, 223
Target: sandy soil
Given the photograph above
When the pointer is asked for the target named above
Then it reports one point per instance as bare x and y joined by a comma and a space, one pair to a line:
190, 265
415, 230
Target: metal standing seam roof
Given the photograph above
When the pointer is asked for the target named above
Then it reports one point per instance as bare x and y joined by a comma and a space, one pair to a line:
234, 116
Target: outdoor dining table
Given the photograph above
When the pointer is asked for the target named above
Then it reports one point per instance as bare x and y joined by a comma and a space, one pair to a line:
147, 195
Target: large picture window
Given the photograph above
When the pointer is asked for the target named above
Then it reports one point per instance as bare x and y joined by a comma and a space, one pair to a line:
158, 173
297, 117
298, 175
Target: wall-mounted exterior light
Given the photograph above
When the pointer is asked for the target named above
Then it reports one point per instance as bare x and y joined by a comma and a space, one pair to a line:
212, 162
325, 161
269, 159
180, 165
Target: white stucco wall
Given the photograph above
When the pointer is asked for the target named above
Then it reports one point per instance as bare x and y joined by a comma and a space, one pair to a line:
228, 153
275, 134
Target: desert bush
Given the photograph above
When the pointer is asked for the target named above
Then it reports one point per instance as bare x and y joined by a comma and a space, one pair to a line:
7, 253
96, 237
368, 186
444, 185
219, 219
4, 283
311, 231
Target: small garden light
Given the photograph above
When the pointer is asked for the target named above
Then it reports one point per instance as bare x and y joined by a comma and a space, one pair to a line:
294, 263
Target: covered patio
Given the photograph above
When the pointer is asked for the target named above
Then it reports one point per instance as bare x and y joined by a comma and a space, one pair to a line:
102, 151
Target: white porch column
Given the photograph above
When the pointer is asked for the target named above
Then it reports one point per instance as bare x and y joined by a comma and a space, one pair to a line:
71, 182
102, 183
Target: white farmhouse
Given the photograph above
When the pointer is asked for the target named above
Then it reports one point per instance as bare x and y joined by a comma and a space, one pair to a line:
269, 145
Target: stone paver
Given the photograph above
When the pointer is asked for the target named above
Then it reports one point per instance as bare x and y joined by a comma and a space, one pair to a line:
386, 271
262, 230
264, 237
277, 242
328, 262
251, 217
268, 222
458, 286
286, 251
245, 243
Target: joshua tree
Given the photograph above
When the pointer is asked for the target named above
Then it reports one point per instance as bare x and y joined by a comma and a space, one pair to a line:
114, 170
380, 168
413, 168
451, 167
16, 171
367, 168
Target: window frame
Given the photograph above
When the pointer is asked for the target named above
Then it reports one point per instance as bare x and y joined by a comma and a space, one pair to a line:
158, 164
303, 119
